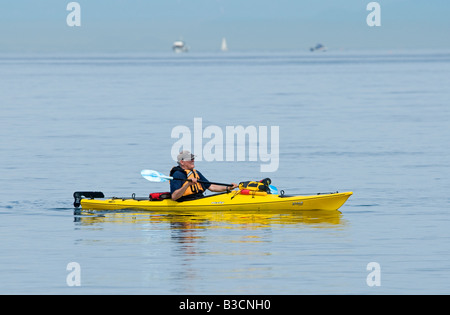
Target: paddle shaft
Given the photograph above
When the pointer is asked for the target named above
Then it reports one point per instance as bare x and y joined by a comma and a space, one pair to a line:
205, 182
151, 175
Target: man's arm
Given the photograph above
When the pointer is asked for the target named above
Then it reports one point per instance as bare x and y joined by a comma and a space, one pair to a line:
180, 192
214, 187
219, 188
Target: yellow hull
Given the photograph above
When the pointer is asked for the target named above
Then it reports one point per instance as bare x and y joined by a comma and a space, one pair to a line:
226, 202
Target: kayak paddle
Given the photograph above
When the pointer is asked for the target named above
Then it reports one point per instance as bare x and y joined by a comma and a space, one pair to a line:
155, 176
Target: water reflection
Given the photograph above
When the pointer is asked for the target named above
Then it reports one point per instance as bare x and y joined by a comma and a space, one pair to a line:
189, 229
211, 251
215, 219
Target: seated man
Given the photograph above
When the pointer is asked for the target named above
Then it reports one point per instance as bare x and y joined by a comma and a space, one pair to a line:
189, 190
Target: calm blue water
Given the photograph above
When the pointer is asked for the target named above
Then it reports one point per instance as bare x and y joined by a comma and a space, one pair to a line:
374, 123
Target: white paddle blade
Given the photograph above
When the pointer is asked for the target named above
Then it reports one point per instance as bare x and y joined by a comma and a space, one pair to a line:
155, 176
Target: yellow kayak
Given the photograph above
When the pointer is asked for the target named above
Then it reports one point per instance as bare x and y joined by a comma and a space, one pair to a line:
234, 201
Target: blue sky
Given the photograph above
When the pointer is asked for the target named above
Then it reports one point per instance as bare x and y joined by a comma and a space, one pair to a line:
290, 25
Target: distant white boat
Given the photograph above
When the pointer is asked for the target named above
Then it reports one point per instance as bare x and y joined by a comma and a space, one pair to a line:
179, 46
224, 46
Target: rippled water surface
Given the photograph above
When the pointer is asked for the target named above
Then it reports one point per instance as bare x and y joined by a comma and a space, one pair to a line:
373, 123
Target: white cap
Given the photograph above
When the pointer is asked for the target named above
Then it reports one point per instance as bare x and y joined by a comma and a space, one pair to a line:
185, 155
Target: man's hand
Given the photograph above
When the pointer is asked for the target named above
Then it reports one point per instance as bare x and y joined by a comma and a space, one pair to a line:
193, 181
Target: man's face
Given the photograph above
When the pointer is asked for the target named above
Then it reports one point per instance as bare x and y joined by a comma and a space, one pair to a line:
188, 165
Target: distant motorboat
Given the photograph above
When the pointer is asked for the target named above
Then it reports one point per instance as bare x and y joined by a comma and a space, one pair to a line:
179, 46
224, 46
318, 47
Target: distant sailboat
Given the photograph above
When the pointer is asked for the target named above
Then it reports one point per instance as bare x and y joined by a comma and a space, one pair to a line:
224, 46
